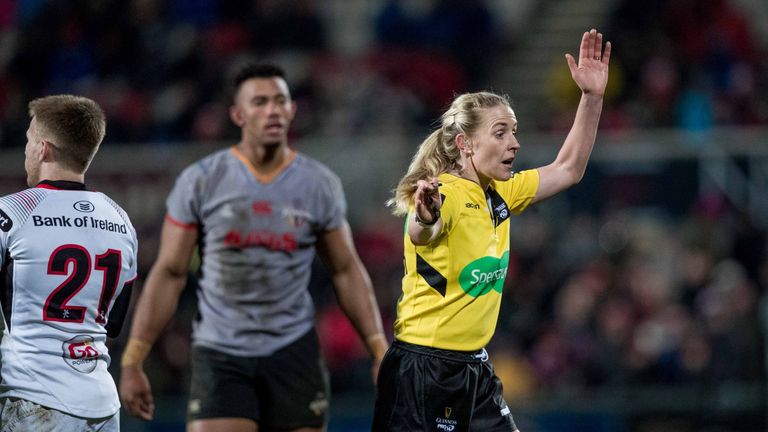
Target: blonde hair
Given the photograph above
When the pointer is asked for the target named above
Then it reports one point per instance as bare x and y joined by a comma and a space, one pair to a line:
75, 125
438, 153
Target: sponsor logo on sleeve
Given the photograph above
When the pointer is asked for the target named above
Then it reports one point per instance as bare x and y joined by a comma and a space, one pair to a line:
5, 222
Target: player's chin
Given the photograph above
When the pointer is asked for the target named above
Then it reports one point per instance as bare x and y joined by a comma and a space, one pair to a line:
274, 135
504, 173
273, 141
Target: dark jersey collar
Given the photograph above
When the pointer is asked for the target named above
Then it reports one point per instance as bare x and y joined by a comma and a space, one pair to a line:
61, 185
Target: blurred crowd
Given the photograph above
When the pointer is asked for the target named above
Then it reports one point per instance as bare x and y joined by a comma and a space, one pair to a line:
611, 297
160, 67
636, 297
687, 64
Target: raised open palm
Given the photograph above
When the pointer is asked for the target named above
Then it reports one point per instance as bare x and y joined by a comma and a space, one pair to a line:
591, 72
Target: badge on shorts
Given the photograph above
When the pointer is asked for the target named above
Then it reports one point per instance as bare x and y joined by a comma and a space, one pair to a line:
446, 423
80, 353
320, 405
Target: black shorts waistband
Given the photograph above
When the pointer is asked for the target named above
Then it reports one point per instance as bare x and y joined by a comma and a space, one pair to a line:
478, 356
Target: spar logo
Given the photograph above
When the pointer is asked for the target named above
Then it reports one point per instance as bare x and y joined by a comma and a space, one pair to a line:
483, 275
80, 353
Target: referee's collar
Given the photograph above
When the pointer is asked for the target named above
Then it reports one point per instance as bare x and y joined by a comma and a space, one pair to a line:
61, 185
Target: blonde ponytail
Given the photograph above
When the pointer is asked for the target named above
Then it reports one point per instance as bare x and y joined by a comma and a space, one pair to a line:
438, 153
430, 160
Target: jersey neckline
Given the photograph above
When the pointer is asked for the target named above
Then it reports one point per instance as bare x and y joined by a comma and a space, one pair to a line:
61, 185
263, 178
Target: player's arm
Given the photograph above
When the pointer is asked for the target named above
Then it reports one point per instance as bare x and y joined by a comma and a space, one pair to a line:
354, 289
591, 75
157, 304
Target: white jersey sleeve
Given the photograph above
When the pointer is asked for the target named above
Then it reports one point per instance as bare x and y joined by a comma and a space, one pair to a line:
65, 257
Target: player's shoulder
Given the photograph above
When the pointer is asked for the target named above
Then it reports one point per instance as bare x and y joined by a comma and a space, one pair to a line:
24, 201
310, 166
112, 203
528, 177
16, 208
208, 164
29, 195
452, 184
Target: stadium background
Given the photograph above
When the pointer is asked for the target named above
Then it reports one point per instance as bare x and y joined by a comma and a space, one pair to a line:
635, 302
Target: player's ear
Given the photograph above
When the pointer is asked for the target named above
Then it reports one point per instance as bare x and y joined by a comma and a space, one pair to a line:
236, 116
463, 144
45, 151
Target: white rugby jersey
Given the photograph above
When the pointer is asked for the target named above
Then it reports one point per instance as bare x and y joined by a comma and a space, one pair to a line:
67, 260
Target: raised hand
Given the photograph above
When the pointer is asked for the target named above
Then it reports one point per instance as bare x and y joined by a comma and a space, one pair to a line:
427, 200
591, 72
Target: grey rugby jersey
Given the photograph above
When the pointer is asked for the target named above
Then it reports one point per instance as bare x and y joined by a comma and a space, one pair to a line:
67, 255
257, 243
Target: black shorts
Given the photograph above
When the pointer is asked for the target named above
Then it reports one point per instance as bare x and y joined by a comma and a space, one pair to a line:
429, 389
287, 390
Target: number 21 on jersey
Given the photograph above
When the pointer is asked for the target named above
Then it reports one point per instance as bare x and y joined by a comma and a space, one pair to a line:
74, 261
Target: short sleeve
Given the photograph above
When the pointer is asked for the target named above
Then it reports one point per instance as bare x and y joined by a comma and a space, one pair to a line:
333, 204
519, 191
183, 203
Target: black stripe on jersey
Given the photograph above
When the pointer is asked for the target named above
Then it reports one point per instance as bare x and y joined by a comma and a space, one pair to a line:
6, 288
432, 276
119, 309
499, 207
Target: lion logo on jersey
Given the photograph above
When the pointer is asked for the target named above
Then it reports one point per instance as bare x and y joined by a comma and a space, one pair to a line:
80, 353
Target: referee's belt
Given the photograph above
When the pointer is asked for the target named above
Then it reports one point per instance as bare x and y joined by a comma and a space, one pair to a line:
478, 356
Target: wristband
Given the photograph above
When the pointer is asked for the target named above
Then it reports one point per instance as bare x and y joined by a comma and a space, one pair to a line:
135, 352
435, 217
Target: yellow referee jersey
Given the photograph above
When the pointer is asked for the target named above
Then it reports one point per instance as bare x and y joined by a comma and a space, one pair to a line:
452, 287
